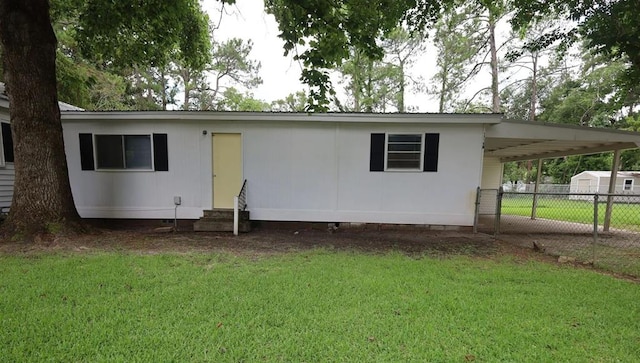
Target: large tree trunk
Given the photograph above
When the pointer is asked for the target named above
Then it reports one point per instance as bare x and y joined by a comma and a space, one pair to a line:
42, 199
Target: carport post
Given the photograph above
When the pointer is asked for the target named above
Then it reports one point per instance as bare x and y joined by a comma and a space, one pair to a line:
612, 190
534, 207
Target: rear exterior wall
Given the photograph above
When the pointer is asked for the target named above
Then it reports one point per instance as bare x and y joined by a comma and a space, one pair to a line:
295, 171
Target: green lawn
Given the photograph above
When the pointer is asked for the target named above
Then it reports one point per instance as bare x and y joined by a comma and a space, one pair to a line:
318, 306
623, 215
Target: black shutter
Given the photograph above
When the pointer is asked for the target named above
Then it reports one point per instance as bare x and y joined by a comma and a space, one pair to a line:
376, 159
160, 152
7, 142
86, 152
432, 143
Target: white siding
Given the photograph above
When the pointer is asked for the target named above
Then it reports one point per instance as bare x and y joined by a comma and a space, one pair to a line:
294, 171
492, 170
6, 185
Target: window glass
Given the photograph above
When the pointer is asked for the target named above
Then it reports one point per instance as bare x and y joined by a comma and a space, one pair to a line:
137, 151
109, 152
123, 151
404, 151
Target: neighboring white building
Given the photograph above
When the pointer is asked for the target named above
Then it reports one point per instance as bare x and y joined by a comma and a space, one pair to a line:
627, 182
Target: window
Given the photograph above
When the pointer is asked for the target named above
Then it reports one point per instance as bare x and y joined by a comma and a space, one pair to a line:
404, 152
628, 185
7, 144
124, 152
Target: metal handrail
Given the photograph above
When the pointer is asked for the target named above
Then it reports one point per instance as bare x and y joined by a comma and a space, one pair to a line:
239, 204
242, 196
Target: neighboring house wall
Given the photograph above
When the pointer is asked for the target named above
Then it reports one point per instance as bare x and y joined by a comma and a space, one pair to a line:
307, 171
597, 182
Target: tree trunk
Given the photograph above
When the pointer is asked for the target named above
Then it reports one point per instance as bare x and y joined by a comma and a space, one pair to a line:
42, 199
534, 87
495, 92
401, 107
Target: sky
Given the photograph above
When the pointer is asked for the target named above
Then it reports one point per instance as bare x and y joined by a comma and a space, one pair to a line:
280, 74
247, 20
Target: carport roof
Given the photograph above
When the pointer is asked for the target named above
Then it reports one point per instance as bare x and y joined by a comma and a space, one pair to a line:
513, 140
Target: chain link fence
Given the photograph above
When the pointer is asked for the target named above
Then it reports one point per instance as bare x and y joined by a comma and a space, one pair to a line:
598, 229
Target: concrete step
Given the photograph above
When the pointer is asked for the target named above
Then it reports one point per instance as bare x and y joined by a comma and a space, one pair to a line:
212, 225
224, 214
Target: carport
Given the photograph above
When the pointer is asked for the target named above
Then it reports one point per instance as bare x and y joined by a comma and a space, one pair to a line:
513, 140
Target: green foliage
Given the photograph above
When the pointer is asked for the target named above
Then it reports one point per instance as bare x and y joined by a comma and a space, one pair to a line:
235, 101
146, 33
326, 31
562, 169
457, 43
371, 85
610, 27
294, 102
588, 99
311, 307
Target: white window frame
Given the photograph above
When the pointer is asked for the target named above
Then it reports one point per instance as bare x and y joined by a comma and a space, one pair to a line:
386, 152
624, 185
95, 153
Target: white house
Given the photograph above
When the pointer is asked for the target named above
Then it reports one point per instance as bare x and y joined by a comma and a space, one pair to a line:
409, 168
374, 168
366, 168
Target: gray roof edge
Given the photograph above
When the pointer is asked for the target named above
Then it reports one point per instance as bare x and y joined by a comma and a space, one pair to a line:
570, 126
279, 116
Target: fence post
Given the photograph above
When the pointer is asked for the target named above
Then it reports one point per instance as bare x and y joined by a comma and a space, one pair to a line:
477, 212
595, 228
496, 223
534, 207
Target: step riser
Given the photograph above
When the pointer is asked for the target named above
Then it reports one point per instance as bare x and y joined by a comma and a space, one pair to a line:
225, 214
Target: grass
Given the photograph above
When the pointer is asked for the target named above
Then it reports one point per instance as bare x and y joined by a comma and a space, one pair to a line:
625, 216
317, 306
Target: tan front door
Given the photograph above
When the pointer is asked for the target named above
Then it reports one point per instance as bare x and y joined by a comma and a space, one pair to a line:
227, 169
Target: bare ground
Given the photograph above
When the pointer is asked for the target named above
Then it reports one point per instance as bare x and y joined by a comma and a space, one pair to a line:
270, 241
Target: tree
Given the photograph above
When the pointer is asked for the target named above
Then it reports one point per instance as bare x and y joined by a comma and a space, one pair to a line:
236, 101
42, 199
294, 102
371, 85
322, 33
401, 49
457, 46
473, 24
610, 27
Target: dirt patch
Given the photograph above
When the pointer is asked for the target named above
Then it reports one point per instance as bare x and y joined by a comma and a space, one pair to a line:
268, 241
